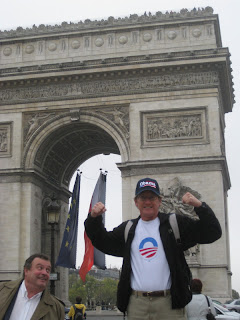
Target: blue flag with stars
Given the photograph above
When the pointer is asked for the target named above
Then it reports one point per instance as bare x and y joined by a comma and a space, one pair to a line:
68, 251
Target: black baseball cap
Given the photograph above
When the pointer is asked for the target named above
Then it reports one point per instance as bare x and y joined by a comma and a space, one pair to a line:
147, 184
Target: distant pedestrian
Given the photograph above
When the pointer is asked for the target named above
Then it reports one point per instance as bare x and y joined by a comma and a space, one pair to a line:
77, 311
197, 309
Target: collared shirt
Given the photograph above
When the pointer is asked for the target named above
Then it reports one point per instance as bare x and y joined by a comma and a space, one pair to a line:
24, 307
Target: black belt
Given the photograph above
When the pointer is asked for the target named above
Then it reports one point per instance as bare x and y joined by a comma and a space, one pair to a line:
161, 293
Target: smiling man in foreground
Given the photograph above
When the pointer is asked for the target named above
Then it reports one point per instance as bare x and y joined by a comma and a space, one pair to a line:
155, 277
28, 298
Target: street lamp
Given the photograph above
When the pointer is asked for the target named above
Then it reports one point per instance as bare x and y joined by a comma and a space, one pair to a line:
53, 212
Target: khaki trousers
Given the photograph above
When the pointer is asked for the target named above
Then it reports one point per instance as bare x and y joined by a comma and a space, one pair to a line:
153, 308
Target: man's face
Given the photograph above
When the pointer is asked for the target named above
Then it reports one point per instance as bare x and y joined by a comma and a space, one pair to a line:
38, 275
148, 204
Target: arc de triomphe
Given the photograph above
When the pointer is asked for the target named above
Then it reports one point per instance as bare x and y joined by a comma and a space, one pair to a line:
152, 88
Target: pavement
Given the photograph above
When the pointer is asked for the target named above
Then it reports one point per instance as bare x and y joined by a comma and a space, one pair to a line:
105, 315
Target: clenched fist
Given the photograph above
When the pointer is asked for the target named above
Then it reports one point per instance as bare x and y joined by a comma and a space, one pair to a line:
98, 209
189, 199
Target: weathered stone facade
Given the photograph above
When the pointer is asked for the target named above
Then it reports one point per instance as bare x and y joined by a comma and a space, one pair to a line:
152, 88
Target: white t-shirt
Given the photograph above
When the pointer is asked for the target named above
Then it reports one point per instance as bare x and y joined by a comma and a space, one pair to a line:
150, 270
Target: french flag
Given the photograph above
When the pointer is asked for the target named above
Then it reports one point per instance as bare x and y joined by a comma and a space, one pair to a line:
92, 255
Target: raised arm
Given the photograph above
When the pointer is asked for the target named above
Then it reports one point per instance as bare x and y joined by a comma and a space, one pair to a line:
98, 210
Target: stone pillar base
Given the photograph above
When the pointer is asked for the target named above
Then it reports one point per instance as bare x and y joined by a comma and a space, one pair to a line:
98, 309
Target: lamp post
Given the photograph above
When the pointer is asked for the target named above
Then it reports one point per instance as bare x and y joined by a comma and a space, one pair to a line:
53, 211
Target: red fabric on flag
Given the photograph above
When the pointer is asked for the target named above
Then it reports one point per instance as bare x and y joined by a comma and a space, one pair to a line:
88, 258
99, 194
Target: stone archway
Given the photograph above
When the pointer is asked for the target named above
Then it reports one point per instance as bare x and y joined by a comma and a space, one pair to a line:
54, 149
152, 88
58, 144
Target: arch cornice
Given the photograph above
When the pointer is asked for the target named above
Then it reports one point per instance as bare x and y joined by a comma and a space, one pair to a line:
110, 23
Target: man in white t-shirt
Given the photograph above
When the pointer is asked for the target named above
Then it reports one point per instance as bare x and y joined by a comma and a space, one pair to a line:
154, 282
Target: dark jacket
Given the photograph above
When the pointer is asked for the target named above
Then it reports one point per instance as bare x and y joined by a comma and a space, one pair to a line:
204, 230
49, 307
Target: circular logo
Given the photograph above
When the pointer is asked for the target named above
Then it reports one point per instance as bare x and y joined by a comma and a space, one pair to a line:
148, 248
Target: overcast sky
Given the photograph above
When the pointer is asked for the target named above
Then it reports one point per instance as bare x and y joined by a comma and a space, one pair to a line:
25, 13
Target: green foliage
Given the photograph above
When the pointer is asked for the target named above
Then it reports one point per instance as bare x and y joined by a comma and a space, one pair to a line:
109, 291
97, 290
91, 285
235, 294
76, 288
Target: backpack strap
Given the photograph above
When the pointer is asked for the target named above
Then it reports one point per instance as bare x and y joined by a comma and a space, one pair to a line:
174, 225
172, 220
127, 228
76, 310
74, 307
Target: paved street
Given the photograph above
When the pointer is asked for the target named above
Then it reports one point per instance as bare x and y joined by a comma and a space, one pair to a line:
105, 315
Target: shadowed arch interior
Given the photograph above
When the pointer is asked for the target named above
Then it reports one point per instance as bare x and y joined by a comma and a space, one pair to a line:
67, 147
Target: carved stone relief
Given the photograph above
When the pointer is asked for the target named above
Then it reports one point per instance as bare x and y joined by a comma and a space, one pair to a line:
108, 87
86, 42
18, 50
172, 34
135, 36
172, 202
33, 122
118, 115
196, 32
63, 45
123, 39
52, 46
148, 36
168, 128
75, 44
175, 127
159, 33
110, 40
184, 32
40, 47
7, 51
209, 30
5, 139
172, 198
41, 50
152, 35
99, 42
29, 49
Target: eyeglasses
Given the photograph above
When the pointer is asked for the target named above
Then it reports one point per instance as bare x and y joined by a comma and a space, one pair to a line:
149, 198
